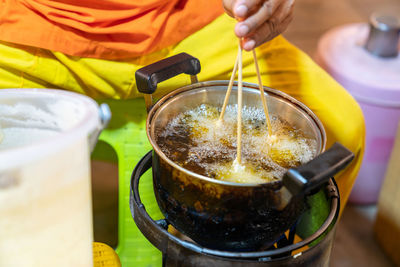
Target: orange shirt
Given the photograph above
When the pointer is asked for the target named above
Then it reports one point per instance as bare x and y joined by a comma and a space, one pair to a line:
108, 29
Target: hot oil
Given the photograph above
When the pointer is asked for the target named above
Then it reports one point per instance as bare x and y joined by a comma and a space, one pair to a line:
197, 141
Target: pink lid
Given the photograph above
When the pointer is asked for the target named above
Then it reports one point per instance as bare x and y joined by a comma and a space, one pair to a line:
368, 78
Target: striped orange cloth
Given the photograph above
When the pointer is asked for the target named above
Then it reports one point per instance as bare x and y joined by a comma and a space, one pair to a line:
107, 29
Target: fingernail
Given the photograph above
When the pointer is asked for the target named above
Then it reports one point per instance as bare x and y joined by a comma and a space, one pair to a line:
249, 45
241, 10
243, 30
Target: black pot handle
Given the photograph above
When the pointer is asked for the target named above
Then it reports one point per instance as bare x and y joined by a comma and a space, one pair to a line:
148, 77
310, 176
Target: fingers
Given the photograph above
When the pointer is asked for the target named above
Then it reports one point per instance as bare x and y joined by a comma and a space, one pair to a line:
259, 20
255, 20
270, 19
244, 8
240, 9
228, 6
266, 32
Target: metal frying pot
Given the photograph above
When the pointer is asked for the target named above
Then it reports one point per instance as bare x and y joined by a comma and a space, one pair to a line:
219, 214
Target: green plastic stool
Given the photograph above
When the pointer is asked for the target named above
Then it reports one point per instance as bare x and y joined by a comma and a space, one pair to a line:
126, 134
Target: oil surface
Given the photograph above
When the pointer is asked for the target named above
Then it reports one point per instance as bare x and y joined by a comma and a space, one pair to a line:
197, 141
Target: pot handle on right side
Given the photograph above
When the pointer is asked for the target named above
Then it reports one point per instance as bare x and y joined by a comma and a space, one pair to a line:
307, 177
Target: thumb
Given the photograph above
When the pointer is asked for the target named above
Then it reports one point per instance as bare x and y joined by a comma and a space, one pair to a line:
235, 8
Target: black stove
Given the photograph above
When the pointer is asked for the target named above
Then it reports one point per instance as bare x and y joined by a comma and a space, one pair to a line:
179, 250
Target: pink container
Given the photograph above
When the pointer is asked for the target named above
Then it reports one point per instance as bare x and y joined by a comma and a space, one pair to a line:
375, 83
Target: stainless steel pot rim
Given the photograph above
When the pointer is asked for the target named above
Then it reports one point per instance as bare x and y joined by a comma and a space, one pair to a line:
203, 86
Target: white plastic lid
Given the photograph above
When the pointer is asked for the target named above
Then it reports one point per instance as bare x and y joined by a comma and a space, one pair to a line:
44, 121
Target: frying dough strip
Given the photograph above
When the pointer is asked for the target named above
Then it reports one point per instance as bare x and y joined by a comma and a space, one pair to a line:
229, 90
263, 100
238, 67
239, 114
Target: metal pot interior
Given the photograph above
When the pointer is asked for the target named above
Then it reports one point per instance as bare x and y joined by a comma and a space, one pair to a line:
213, 93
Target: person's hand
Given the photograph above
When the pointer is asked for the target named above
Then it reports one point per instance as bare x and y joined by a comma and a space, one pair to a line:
259, 20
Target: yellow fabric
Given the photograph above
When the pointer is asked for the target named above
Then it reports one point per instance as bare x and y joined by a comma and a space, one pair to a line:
283, 67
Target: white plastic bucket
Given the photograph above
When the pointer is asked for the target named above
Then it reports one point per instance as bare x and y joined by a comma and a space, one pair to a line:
375, 83
45, 192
